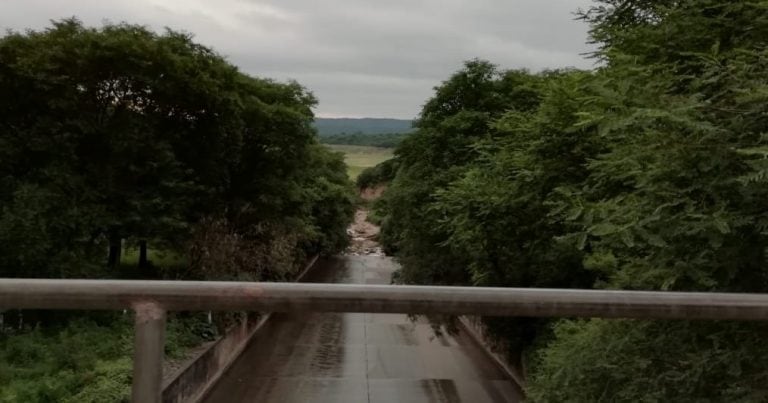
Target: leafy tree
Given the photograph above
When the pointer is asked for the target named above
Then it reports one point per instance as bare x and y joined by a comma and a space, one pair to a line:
120, 133
122, 112
649, 173
381, 173
459, 114
676, 202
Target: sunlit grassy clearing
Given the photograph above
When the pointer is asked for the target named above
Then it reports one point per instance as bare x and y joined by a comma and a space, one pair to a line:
360, 157
159, 258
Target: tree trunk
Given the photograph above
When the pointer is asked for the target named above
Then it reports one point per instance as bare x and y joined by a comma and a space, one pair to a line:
143, 261
115, 249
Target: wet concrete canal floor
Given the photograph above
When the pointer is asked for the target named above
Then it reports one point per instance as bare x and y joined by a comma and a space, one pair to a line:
356, 357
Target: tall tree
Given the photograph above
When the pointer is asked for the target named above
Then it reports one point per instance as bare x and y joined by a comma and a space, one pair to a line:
140, 135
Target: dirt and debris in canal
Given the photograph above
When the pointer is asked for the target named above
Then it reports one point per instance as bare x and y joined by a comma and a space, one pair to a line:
363, 236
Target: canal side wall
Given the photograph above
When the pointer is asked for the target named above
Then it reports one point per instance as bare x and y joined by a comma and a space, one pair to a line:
192, 381
473, 326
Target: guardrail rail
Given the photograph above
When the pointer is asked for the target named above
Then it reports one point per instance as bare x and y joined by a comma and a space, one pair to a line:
150, 300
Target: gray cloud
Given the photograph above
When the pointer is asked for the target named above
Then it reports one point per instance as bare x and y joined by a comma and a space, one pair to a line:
360, 58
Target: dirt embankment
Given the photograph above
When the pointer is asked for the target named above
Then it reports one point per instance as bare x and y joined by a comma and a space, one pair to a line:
362, 233
363, 236
372, 193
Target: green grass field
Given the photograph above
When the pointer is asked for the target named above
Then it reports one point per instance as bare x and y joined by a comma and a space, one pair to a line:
160, 258
360, 157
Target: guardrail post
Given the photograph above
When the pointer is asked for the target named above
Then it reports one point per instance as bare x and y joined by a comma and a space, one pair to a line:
149, 347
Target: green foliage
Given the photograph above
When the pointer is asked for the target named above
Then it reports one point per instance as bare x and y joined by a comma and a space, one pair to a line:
42, 234
454, 213
439, 152
673, 361
675, 203
85, 360
669, 200
119, 136
648, 173
379, 174
187, 329
110, 383
497, 211
58, 364
328, 191
120, 133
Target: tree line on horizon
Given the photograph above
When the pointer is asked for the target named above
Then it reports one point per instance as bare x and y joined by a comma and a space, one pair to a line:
371, 132
331, 126
649, 172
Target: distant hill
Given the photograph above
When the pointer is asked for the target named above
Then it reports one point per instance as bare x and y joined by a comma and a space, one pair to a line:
331, 126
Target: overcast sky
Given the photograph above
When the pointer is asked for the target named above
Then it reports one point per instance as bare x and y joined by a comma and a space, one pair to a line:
359, 57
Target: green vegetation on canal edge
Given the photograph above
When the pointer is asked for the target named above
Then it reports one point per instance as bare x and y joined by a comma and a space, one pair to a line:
649, 172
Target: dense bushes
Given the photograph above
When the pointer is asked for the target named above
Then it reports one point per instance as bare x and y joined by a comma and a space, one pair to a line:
673, 361
378, 174
86, 360
647, 173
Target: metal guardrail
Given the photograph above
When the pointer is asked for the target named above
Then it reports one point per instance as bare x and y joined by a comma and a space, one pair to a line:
152, 299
